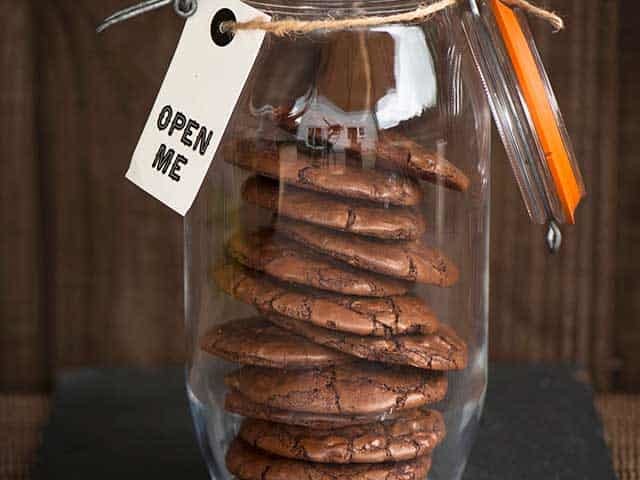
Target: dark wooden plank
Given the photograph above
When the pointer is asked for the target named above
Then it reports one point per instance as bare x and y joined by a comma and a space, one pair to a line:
23, 353
116, 254
628, 205
607, 223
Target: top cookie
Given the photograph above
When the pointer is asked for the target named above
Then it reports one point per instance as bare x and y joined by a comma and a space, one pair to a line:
362, 218
395, 151
286, 163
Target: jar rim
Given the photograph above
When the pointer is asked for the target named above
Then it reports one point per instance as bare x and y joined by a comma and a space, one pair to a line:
334, 8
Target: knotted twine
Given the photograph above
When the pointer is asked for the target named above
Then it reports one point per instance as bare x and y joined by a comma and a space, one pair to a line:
291, 26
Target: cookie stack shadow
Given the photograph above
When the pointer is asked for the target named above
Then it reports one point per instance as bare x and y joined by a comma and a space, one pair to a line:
341, 368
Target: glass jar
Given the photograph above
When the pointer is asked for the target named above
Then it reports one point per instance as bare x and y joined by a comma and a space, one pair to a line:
337, 256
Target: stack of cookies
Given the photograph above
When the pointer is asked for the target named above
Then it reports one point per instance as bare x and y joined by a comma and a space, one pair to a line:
340, 368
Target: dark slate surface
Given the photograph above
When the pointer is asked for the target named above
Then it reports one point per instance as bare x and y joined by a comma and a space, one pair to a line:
539, 423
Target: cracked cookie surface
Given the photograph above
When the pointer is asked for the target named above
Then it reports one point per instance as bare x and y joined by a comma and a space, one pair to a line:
390, 223
255, 341
361, 388
289, 262
359, 315
396, 440
396, 151
237, 403
442, 350
286, 163
248, 463
411, 261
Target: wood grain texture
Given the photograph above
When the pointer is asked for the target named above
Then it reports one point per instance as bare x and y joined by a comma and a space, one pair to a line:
23, 352
627, 297
560, 308
22, 418
621, 420
115, 253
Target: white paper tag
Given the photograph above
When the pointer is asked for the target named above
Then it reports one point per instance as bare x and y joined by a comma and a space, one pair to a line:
195, 103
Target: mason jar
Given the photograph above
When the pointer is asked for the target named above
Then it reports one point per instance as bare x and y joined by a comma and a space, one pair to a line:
337, 255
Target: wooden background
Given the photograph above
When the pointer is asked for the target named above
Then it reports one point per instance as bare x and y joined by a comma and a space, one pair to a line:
91, 268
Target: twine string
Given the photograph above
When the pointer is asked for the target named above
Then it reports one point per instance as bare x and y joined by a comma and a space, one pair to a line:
291, 26
550, 17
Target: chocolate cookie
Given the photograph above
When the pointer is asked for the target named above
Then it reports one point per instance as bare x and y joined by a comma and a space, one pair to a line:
255, 341
381, 317
405, 438
390, 223
412, 261
397, 152
248, 463
361, 388
237, 403
443, 350
286, 163
289, 262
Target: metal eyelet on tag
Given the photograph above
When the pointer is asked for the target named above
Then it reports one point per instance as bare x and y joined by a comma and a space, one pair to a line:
220, 36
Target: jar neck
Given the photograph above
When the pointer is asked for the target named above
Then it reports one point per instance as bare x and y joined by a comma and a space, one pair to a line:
335, 8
